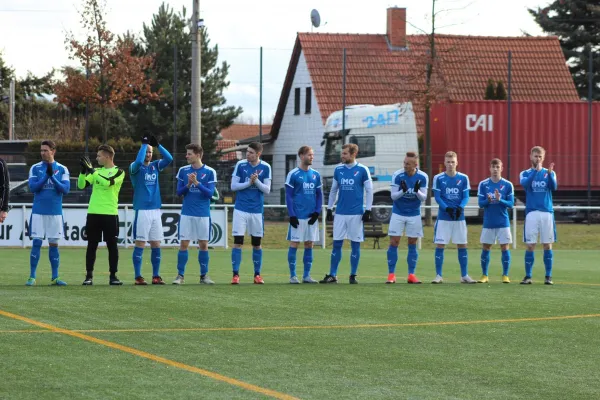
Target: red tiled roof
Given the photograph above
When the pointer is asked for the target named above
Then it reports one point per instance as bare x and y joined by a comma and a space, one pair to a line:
243, 131
227, 144
377, 75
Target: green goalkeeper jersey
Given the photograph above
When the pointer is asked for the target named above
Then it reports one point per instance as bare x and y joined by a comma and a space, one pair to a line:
106, 184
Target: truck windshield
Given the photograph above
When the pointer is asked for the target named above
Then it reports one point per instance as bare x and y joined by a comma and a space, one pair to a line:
333, 149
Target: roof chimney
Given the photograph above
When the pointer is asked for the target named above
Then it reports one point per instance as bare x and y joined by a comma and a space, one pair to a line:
396, 27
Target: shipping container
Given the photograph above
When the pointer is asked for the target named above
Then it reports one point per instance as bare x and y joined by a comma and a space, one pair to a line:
478, 131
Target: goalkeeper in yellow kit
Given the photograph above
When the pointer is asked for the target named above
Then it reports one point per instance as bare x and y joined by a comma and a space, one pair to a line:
102, 219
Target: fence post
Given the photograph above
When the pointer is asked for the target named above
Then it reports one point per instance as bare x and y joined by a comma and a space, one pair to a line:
514, 215
126, 238
323, 228
226, 226
24, 225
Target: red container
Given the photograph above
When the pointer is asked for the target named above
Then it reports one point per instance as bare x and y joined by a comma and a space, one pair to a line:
478, 131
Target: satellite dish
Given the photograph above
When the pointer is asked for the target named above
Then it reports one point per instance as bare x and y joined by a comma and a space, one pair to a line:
315, 18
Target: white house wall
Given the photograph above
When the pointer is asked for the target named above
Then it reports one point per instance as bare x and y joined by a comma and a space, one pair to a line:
296, 131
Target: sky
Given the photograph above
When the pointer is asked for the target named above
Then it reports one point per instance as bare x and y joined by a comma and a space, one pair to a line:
32, 32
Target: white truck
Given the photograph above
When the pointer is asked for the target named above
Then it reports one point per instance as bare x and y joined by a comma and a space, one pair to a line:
383, 134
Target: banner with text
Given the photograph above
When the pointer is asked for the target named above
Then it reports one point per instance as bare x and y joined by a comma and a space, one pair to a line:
11, 231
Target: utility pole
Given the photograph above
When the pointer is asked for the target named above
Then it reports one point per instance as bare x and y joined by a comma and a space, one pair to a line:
196, 26
11, 111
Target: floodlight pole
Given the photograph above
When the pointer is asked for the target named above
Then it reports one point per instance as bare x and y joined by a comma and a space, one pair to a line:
197, 24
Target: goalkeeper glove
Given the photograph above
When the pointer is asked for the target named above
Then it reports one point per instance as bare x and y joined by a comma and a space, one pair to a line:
313, 218
450, 212
111, 179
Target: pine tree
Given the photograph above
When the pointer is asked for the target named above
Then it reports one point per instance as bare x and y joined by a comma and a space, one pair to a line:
166, 30
577, 25
490, 90
501, 91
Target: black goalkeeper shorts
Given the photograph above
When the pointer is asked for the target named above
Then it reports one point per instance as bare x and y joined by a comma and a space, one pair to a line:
99, 227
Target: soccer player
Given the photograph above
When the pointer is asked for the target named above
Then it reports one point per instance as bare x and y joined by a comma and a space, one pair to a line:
496, 196
196, 183
251, 180
304, 199
102, 223
4, 190
409, 190
539, 183
147, 225
351, 180
48, 181
451, 190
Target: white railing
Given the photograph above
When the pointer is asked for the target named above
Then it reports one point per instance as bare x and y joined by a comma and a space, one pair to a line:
226, 208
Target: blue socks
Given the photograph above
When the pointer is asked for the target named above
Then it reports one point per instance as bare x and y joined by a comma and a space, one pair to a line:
463, 260
336, 257
182, 259
392, 258
203, 260
55, 261
236, 260
485, 262
439, 260
354, 257
529, 258
34, 257
505, 262
137, 261
155, 257
292, 260
308, 259
412, 258
257, 260
548, 255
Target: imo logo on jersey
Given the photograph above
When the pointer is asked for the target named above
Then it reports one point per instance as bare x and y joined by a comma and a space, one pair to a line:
150, 177
452, 191
538, 184
347, 181
308, 185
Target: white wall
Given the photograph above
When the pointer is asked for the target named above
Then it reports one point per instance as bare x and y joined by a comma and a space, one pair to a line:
296, 131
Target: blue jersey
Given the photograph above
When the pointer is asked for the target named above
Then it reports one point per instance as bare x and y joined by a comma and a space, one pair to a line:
251, 199
144, 178
48, 191
451, 191
304, 185
539, 186
409, 204
196, 203
496, 211
351, 185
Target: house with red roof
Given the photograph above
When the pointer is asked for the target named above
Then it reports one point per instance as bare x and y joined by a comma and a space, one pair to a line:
231, 136
391, 68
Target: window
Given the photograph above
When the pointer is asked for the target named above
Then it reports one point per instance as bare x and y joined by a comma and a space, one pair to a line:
269, 160
297, 101
290, 163
366, 145
333, 150
308, 100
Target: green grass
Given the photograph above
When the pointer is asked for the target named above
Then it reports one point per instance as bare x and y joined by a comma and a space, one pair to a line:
429, 350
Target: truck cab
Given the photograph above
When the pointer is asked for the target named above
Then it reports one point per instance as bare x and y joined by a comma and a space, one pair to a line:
383, 135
